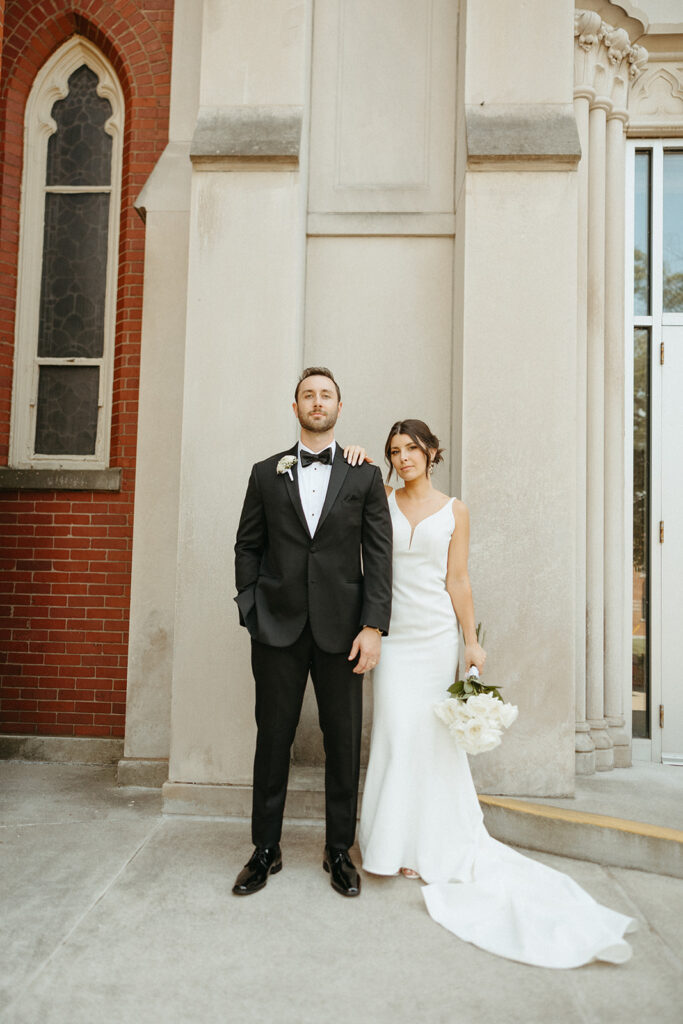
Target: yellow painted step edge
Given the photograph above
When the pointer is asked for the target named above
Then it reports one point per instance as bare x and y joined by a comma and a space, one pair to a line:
640, 828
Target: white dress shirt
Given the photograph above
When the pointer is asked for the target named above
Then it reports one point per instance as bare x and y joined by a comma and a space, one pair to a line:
313, 482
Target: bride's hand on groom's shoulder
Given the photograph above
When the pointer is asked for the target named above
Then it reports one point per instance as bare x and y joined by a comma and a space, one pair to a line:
355, 454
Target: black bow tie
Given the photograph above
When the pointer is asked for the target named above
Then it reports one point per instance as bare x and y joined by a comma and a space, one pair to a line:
308, 457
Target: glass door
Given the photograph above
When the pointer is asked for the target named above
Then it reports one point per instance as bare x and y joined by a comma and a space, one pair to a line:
656, 329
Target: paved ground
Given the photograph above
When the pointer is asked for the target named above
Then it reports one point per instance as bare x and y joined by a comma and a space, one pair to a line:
113, 914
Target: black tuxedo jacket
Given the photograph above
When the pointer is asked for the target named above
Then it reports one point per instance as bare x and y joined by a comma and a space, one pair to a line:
339, 579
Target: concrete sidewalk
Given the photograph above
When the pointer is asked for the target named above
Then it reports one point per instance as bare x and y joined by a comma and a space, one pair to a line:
113, 913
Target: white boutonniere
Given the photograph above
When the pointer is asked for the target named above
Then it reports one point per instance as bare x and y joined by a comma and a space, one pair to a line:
285, 465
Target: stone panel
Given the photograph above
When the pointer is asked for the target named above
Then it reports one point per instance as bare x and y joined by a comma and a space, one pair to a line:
383, 106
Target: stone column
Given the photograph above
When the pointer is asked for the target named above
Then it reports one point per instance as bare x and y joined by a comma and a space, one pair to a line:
165, 204
595, 415
585, 748
602, 58
627, 62
615, 666
515, 340
586, 26
243, 351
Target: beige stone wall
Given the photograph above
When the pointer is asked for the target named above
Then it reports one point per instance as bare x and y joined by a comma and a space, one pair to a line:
419, 237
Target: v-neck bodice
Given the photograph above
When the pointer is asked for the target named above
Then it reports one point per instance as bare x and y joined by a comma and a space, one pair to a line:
421, 605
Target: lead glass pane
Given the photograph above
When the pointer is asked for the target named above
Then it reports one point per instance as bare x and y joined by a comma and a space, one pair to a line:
641, 246
640, 672
66, 421
672, 232
73, 284
79, 153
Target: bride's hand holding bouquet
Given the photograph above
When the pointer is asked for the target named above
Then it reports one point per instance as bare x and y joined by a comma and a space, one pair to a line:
475, 714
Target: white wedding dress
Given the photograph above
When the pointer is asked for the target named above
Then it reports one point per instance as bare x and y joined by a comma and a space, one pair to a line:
420, 809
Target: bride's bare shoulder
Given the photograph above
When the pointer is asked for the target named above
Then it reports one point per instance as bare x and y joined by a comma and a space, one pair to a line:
388, 490
460, 510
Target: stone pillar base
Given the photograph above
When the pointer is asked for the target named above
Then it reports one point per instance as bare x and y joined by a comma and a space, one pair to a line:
604, 749
621, 741
584, 750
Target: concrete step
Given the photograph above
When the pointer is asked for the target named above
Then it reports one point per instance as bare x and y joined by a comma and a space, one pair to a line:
600, 838
533, 825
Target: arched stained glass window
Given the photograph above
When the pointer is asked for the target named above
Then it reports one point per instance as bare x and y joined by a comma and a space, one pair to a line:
68, 263
79, 153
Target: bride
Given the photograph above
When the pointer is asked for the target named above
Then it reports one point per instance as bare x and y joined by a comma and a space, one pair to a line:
420, 812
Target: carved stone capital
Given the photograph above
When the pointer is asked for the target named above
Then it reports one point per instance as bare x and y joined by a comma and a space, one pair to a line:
605, 61
637, 58
587, 29
617, 44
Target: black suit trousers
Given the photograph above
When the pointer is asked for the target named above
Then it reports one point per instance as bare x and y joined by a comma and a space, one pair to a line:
280, 674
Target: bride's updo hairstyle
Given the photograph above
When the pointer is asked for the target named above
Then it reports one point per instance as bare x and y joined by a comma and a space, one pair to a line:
419, 432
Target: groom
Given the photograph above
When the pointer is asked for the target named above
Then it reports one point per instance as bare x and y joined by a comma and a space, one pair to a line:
313, 574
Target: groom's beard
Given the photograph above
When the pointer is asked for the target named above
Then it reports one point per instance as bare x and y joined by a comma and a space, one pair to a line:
320, 424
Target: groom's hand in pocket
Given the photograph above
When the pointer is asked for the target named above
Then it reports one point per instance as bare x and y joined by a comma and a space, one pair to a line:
367, 647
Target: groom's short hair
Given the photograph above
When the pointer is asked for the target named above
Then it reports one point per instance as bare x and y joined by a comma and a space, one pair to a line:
316, 371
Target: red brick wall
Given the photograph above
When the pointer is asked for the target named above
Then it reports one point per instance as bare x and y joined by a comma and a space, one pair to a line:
2, 25
65, 556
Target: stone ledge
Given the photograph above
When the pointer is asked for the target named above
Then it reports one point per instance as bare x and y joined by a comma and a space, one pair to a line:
521, 137
247, 138
150, 772
60, 479
61, 749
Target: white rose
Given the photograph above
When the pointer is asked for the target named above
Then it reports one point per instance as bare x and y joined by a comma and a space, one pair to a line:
507, 713
480, 736
457, 731
482, 705
466, 711
490, 738
447, 710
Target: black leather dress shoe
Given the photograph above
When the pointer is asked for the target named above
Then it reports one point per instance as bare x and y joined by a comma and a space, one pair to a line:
344, 877
264, 861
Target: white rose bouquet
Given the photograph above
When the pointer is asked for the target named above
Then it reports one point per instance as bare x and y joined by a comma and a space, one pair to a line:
475, 714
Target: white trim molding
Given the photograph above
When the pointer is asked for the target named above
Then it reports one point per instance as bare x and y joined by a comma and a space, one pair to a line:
51, 85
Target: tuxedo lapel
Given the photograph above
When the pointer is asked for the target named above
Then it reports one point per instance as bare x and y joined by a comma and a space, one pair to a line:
340, 468
293, 488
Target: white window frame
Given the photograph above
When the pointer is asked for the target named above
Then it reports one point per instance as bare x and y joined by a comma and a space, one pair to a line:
649, 749
51, 84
